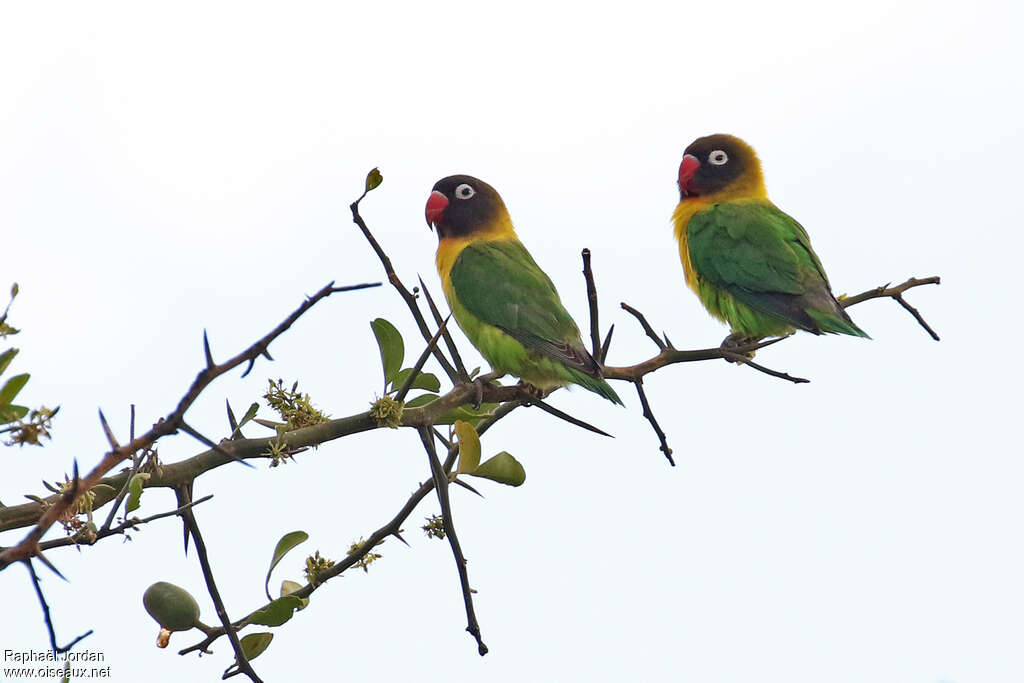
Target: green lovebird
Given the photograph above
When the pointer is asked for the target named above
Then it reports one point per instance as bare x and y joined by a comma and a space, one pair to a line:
750, 264
502, 300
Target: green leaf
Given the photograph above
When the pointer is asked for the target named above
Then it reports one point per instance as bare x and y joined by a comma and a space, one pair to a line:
254, 644
249, 414
277, 612
424, 380
12, 387
12, 413
469, 447
104, 490
468, 414
135, 491
373, 179
420, 401
289, 587
392, 348
284, 546
6, 357
502, 468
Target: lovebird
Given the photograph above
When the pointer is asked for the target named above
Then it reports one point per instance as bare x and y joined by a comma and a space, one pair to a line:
507, 306
750, 264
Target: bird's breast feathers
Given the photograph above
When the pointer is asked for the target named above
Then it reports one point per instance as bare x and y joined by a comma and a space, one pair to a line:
681, 218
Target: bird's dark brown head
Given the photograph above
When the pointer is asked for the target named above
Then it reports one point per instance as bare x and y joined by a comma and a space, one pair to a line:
715, 163
461, 205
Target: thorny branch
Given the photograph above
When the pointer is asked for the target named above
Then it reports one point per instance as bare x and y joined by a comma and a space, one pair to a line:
669, 355
46, 614
441, 487
391, 528
211, 587
130, 524
463, 392
408, 297
29, 546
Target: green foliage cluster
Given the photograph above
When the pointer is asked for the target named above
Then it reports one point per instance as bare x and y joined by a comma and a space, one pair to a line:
367, 559
388, 410
12, 416
293, 406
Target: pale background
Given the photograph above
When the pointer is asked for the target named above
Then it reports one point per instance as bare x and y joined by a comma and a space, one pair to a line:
168, 170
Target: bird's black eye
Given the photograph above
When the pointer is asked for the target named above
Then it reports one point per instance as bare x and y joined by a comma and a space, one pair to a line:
718, 158
464, 191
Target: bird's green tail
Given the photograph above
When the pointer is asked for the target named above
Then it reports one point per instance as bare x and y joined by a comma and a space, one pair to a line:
598, 386
837, 323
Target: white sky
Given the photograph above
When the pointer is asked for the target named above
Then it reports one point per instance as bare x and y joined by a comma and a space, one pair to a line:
166, 172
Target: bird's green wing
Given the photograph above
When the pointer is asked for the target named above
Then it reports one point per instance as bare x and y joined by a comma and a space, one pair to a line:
761, 256
755, 246
501, 284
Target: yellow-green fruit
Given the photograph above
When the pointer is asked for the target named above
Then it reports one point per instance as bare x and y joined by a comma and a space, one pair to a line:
172, 607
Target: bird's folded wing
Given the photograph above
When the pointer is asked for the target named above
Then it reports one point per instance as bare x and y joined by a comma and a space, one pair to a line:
501, 284
755, 247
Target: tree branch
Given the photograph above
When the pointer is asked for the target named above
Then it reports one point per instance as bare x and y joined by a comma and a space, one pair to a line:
218, 603
46, 613
28, 547
408, 297
595, 326
649, 414
441, 486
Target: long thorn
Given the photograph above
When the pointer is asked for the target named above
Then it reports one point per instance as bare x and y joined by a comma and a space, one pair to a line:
110, 434
217, 447
206, 351
568, 418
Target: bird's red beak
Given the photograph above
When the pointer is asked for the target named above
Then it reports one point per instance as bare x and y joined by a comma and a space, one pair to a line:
687, 170
436, 204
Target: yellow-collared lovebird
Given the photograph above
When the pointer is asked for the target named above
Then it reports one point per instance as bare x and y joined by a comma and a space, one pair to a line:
502, 300
750, 264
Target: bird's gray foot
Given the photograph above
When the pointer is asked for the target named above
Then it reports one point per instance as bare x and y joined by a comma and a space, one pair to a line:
737, 341
530, 390
479, 384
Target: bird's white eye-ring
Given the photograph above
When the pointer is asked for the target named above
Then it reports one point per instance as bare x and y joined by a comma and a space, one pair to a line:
718, 158
464, 191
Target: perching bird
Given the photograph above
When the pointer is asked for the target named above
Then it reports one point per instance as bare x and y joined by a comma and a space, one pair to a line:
750, 264
502, 300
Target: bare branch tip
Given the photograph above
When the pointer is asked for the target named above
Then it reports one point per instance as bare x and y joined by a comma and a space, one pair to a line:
206, 351
109, 433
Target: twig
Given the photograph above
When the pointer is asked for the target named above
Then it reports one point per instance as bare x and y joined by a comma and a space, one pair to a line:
595, 327
917, 316
743, 360
418, 367
46, 614
123, 493
449, 342
131, 523
646, 325
887, 291
649, 414
441, 487
897, 294
408, 297
29, 545
218, 603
